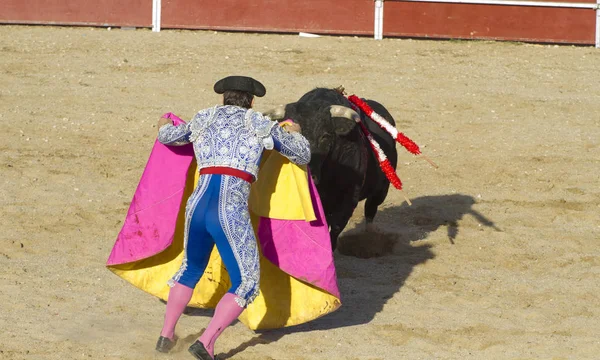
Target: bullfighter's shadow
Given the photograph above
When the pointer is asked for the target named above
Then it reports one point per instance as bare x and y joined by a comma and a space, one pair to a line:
366, 284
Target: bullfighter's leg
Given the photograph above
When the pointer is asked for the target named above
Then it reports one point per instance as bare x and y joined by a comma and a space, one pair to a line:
232, 232
198, 245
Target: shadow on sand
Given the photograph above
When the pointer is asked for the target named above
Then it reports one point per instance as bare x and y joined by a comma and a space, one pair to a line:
392, 256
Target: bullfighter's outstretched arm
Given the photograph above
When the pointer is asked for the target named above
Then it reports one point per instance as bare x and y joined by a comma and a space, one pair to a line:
182, 134
173, 135
292, 145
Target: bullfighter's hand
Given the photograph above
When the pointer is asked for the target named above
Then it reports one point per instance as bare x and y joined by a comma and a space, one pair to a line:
163, 121
293, 127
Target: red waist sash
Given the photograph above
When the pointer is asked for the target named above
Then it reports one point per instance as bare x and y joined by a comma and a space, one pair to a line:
222, 170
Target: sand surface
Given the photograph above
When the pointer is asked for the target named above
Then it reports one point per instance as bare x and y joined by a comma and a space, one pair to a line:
497, 258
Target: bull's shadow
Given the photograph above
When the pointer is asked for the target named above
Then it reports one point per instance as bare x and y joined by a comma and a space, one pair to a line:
428, 214
367, 284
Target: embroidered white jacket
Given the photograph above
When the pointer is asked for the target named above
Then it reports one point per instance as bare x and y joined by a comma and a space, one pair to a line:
235, 137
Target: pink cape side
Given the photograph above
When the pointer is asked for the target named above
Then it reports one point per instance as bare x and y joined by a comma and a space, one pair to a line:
149, 226
301, 248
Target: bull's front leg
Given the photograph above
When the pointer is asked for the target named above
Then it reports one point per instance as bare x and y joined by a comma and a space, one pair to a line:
338, 224
373, 202
340, 217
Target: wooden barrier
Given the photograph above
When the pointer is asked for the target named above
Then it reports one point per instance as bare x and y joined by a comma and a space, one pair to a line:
493, 22
323, 16
77, 12
459, 19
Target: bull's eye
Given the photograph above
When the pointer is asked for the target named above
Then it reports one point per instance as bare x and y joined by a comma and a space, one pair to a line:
324, 140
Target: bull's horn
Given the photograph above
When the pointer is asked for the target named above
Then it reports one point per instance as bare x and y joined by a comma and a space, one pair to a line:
344, 111
277, 113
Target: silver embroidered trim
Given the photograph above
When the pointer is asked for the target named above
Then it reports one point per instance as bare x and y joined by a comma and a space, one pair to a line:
225, 136
235, 221
170, 134
241, 302
294, 146
200, 121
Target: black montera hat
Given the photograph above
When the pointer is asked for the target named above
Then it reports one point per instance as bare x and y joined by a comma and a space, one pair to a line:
240, 83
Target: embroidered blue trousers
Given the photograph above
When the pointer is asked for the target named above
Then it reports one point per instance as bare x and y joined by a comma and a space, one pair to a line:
217, 214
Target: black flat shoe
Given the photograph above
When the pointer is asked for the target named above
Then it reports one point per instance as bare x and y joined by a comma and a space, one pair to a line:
164, 344
199, 351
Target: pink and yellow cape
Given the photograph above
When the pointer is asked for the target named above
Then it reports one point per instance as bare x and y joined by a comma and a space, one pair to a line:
298, 280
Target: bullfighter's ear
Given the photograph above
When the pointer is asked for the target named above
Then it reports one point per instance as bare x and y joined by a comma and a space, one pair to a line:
344, 119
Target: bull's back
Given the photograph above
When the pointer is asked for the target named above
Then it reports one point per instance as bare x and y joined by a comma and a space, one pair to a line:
325, 95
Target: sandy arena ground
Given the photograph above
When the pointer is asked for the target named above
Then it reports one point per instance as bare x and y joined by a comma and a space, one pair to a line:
497, 258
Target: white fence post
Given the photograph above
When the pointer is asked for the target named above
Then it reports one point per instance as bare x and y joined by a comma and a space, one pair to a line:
156, 8
598, 24
379, 19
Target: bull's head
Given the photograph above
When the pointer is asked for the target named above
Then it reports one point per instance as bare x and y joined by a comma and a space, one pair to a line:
322, 123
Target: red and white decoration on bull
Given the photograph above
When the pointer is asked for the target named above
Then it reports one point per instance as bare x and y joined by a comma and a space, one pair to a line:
384, 163
385, 125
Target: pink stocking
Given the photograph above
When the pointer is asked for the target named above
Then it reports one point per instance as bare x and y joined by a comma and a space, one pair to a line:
179, 297
226, 312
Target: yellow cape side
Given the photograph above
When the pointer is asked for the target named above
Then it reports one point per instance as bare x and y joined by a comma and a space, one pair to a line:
281, 192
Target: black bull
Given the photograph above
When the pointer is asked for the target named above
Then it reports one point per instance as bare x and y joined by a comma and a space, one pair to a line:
343, 166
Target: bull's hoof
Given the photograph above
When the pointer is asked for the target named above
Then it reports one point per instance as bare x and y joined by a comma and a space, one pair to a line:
370, 227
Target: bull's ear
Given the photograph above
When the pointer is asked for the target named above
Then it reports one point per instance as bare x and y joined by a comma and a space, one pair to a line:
343, 118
